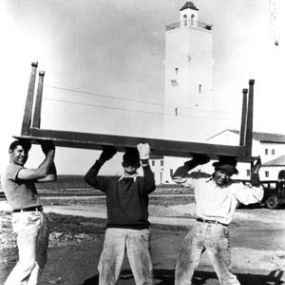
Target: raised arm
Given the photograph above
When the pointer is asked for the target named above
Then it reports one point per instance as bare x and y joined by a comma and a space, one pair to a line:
91, 177
181, 173
254, 193
46, 171
149, 181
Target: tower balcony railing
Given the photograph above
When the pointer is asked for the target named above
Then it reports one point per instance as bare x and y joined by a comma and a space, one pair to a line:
188, 23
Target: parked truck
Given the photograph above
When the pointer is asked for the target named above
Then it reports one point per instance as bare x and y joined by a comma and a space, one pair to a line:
274, 193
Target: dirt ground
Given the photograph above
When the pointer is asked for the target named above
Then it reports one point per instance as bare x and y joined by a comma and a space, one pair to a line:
77, 235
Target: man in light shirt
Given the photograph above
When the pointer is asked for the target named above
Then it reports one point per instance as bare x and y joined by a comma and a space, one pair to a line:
217, 198
29, 223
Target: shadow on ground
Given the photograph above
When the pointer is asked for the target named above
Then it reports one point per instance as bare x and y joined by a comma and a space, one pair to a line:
166, 277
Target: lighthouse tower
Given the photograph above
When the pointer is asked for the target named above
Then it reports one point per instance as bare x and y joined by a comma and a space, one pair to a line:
188, 76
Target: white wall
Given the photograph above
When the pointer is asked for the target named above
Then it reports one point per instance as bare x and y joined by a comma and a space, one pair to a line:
188, 65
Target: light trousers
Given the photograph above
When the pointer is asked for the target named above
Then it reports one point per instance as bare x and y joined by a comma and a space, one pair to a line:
215, 239
136, 243
32, 234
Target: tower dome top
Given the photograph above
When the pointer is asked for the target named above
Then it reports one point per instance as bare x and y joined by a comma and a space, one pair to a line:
189, 5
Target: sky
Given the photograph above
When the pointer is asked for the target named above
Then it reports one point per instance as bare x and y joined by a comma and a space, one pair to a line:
104, 64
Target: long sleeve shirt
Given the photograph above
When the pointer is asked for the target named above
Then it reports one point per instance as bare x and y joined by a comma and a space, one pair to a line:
219, 203
126, 197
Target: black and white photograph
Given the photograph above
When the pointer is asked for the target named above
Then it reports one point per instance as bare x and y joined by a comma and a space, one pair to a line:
142, 142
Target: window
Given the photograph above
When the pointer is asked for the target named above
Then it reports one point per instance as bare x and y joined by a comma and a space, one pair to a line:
171, 172
153, 163
185, 20
273, 151
266, 151
176, 111
173, 82
266, 173
161, 163
248, 172
192, 19
200, 88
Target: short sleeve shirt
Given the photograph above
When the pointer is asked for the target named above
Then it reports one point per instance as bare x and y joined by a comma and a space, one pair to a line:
20, 194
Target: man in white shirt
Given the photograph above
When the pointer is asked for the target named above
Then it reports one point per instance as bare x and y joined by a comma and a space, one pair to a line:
217, 198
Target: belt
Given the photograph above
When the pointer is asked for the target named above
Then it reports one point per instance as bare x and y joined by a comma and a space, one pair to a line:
29, 209
209, 221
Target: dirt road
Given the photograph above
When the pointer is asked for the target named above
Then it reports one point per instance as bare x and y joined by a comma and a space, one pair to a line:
77, 234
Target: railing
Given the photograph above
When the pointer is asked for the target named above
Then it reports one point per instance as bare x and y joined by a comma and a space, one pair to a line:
189, 23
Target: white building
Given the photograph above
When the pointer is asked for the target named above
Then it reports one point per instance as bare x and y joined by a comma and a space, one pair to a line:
188, 91
188, 84
188, 75
275, 168
270, 147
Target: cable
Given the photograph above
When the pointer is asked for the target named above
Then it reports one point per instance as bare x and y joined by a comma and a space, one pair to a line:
129, 110
101, 106
133, 100
102, 95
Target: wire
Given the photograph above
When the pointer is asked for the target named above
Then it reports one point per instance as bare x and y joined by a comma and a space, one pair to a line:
101, 106
102, 95
133, 100
129, 110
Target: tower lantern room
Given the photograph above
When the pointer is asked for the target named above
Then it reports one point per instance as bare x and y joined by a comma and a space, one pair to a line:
189, 14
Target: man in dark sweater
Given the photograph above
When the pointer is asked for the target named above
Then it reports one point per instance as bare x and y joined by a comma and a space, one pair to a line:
127, 213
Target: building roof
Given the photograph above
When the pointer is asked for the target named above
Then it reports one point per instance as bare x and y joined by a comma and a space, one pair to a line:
189, 5
258, 136
278, 161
